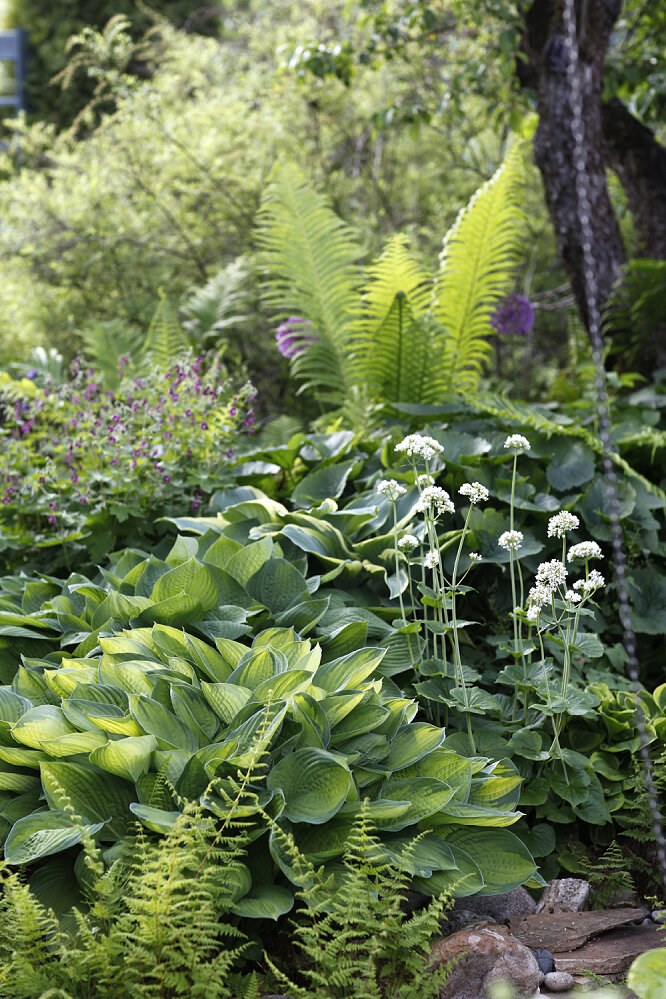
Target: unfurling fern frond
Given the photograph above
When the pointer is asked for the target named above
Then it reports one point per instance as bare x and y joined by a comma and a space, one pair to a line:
393, 343
477, 261
165, 338
310, 254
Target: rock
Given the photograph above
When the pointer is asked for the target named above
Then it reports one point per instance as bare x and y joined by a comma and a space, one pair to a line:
458, 919
499, 908
564, 931
625, 899
611, 955
558, 981
564, 895
489, 954
658, 915
544, 959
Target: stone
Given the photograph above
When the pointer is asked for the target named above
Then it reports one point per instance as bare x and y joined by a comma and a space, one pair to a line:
558, 981
564, 931
625, 899
458, 919
499, 908
544, 959
564, 895
658, 915
487, 954
612, 954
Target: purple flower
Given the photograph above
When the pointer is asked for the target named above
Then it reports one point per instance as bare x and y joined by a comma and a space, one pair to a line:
514, 316
32, 373
294, 335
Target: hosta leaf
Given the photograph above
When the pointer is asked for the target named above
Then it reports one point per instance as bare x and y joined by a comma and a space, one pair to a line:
412, 743
277, 585
226, 699
74, 743
46, 721
93, 794
158, 820
181, 608
18, 783
192, 578
190, 706
419, 857
54, 885
314, 783
465, 881
246, 562
283, 685
504, 861
348, 671
647, 974
258, 665
310, 715
129, 758
364, 718
264, 902
344, 640
323, 483
154, 719
462, 814
424, 794
12, 705
43, 834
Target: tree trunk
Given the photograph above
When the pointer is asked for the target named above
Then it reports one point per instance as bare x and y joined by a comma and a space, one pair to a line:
545, 71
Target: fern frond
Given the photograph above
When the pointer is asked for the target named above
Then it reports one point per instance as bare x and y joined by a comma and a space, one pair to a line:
309, 255
165, 338
106, 342
476, 268
393, 343
219, 304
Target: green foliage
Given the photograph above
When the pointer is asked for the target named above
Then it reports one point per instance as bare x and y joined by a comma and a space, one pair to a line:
408, 340
647, 975
608, 875
48, 45
352, 932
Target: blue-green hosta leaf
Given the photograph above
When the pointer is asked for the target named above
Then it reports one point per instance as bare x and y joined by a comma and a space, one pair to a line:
344, 640
496, 792
18, 783
338, 706
226, 699
264, 902
93, 794
117, 607
454, 770
304, 615
12, 705
158, 820
181, 608
249, 560
46, 721
154, 719
426, 796
504, 861
348, 671
412, 743
310, 715
314, 783
219, 553
190, 706
30, 683
54, 885
462, 814
466, 880
316, 541
74, 743
43, 834
277, 585
129, 758
283, 685
419, 857
323, 483
256, 732
21, 757
183, 549
190, 577
363, 718
258, 665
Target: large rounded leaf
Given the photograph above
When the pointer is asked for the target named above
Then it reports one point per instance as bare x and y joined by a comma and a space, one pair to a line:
412, 743
42, 834
425, 795
647, 975
264, 902
93, 794
129, 758
43, 722
504, 861
314, 783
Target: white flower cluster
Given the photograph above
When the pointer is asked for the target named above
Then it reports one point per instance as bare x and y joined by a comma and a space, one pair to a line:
551, 574
390, 488
518, 442
561, 523
537, 598
593, 582
510, 540
475, 492
431, 560
572, 597
435, 500
475, 557
586, 549
415, 445
408, 543
425, 480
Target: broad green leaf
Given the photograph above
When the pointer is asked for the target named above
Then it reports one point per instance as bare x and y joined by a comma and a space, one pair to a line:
412, 743
93, 794
154, 719
190, 706
463, 882
462, 814
647, 975
226, 699
54, 885
221, 551
571, 463
158, 820
12, 706
74, 743
304, 615
324, 483
258, 665
310, 715
505, 863
18, 783
425, 795
129, 758
314, 783
283, 685
264, 902
277, 585
419, 857
345, 640
192, 578
348, 671
181, 608
46, 721
363, 718
245, 563
43, 834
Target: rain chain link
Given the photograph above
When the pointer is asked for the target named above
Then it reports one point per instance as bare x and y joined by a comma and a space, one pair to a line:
603, 411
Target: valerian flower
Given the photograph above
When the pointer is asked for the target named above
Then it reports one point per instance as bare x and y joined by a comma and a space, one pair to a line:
593, 582
390, 488
408, 542
475, 557
585, 550
537, 598
561, 523
416, 445
425, 480
510, 540
435, 500
551, 574
518, 442
572, 597
431, 559
475, 492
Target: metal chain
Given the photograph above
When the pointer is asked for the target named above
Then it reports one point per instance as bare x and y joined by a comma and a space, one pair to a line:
603, 411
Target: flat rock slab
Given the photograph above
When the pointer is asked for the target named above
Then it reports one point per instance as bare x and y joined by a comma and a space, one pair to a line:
613, 953
565, 931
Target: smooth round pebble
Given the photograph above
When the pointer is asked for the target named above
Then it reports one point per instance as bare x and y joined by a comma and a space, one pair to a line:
558, 981
544, 959
658, 916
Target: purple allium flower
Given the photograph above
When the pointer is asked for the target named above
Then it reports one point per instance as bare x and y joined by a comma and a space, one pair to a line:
32, 373
294, 335
514, 316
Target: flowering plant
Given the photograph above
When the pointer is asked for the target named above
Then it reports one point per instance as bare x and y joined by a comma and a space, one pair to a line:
77, 461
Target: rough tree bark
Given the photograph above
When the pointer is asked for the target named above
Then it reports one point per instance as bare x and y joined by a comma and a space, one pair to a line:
613, 138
